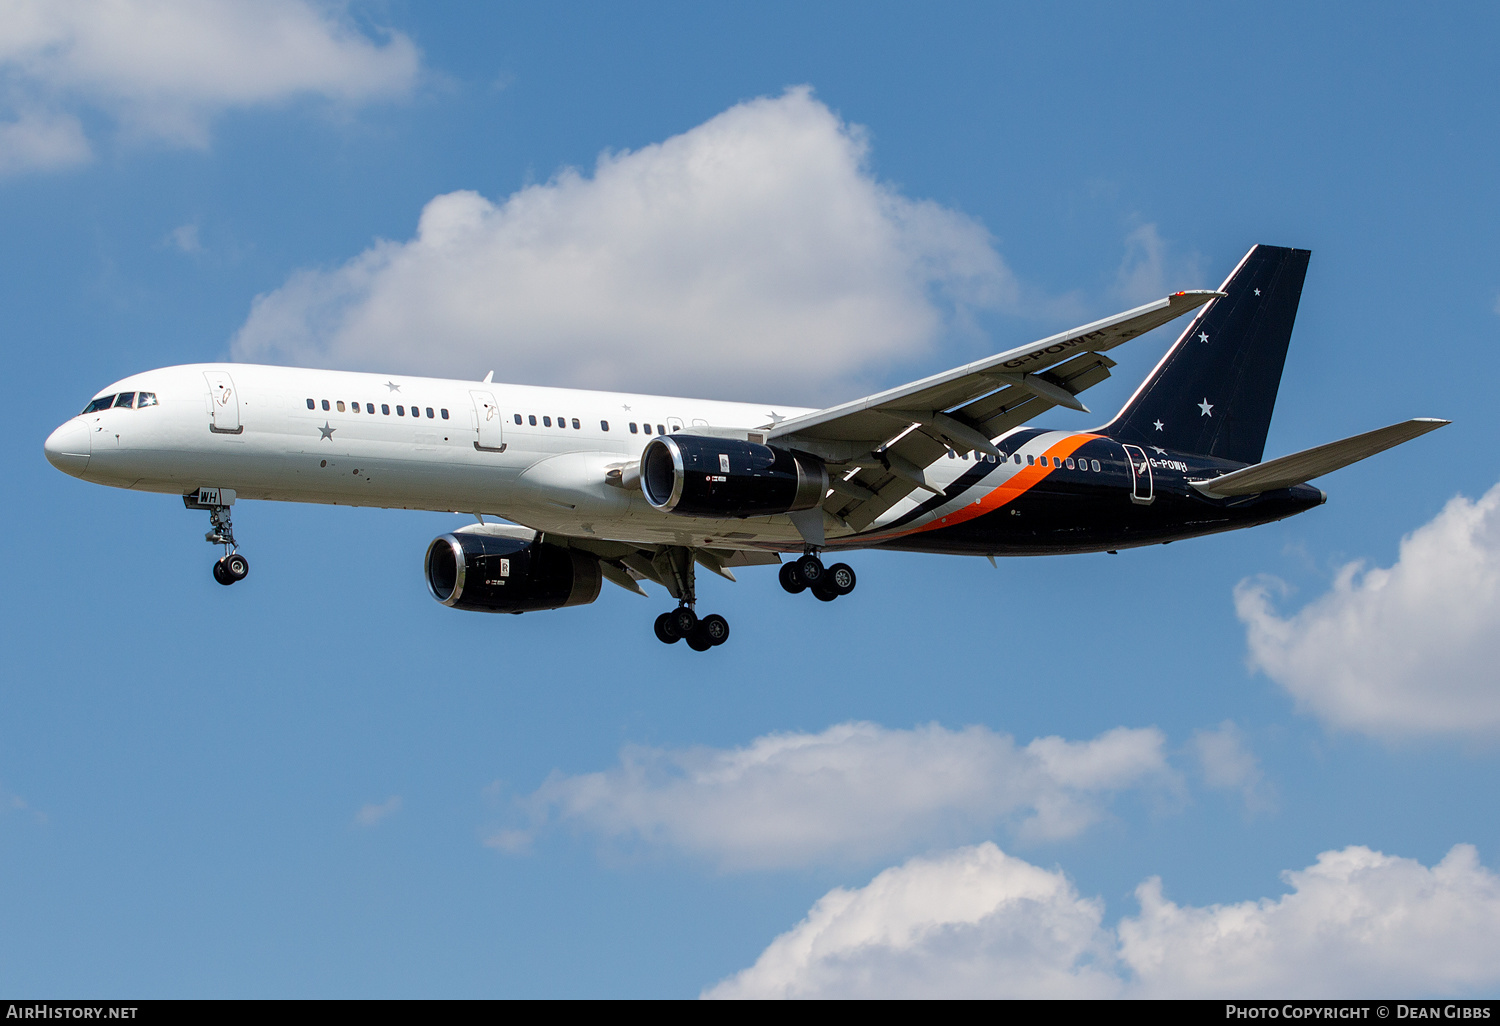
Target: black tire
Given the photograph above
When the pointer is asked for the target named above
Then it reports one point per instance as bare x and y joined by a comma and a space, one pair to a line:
699, 642
811, 569
791, 579
236, 566
222, 575
683, 621
825, 594
664, 630
715, 628
841, 578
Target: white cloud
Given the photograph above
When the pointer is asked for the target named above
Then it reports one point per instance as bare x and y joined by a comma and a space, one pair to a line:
978, 923
711, 262
975, 922
372, 813
1228, 763
185, 238
165, 68
1404, 651
1148, 271
855, 791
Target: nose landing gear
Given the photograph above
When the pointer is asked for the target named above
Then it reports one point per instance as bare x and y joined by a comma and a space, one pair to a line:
232, 566
809, 574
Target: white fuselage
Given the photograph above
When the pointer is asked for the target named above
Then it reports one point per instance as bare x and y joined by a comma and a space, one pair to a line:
249, 428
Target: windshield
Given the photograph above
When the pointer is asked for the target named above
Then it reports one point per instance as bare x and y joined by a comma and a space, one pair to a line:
104, 402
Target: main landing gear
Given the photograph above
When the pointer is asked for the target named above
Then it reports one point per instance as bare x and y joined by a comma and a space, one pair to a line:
683, 623
809, 574
231, 567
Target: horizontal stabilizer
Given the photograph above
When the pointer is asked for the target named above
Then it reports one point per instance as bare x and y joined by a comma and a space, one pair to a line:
1300, 467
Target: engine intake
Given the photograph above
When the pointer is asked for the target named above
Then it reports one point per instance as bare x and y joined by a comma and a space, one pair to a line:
499, 571
722, 477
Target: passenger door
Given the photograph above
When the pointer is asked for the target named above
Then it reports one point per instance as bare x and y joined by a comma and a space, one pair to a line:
1140, 475
223, 404
487, 423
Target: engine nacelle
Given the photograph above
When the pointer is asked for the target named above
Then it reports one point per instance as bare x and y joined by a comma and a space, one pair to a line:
496, 569
696, 476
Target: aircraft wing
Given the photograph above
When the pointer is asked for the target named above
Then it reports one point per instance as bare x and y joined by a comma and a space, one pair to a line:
878, 446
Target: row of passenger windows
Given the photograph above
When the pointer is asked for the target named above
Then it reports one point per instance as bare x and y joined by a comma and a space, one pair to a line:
1031, 461
125, 400
385, 409
562, 422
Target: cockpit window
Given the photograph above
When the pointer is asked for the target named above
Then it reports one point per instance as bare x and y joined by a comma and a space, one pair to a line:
104, 402
144, 399
125, 399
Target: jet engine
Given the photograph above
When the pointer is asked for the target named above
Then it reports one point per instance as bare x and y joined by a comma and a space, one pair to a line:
497, 569
697, 476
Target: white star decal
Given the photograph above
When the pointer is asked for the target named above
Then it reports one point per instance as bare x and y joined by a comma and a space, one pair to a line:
1203, 335
326, 431
625, 406
1257, 292
1207, 407
777, 418
393, 386
1158, 450
1158, 425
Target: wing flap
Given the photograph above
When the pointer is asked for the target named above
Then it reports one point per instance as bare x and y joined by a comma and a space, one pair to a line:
1300, 467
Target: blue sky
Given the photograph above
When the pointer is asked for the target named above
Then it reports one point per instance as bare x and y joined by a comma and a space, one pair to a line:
323, 783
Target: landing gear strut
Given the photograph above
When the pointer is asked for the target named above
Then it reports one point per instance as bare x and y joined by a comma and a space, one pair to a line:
809, 574
683, 623
232, 566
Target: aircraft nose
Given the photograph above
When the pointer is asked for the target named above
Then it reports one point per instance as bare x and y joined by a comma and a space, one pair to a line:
67, 448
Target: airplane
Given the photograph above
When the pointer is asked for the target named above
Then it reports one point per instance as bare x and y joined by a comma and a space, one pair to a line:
604, 486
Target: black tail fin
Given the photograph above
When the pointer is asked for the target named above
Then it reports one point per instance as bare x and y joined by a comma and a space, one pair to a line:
1214, 390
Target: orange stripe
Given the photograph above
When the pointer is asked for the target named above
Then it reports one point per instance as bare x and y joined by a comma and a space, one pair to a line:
1016, 486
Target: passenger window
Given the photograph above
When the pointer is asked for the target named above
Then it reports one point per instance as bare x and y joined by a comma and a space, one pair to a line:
660, 430
604, 425
340, 404
562, 422
311, 405
647, 427
1030, 460
532, 420
546, 422
385, 409
1094, 464
325, 404
126, 400
1056, 463
1018, 459
429, 414
369, 407
966, 457
518, 420
145, 399
632, 427
354, 407
401, 411
444, 413
576, 425
1070, 463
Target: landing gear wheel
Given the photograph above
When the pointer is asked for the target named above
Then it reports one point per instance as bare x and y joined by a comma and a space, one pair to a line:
698, 643
791, 579
236, 567
666, 632
823, 593
811, 569
715, 628
841, 578
683, 620
221, 574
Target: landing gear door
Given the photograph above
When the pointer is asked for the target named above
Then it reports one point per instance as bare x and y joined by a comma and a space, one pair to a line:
488, 423
223, 404
1140, 475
